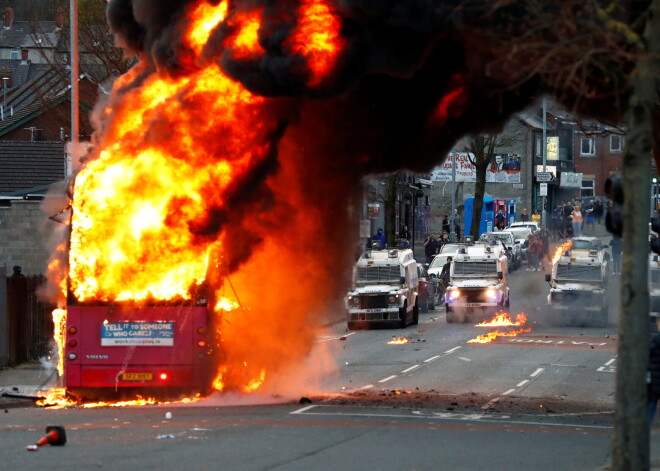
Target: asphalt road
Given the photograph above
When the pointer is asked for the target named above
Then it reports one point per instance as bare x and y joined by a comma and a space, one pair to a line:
542, 400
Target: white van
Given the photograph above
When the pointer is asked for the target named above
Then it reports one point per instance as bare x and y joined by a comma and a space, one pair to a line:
384, 290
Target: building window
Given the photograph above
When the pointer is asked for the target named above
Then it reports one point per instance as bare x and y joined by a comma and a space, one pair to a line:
616, 143
587, 147
588, 186
538, 149
15, 53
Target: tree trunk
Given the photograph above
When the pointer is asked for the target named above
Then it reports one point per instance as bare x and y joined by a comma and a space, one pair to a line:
481, 165
630, 447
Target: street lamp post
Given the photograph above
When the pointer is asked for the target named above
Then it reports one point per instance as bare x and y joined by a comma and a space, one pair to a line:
4, 101
653, 193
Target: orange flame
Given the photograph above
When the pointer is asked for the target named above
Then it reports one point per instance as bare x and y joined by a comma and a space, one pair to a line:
56, 398
205, 18
317, 38
501, 319
59, 318
245, 43
152, 200
490, 336
559, 251
398, 341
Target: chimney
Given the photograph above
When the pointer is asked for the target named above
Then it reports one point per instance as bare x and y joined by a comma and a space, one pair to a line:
24, 54
59, 18
9, 17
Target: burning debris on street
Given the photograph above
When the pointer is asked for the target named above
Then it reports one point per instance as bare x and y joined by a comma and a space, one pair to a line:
501, 319
228, 159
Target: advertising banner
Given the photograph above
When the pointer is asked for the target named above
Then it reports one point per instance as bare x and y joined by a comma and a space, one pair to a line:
122, 334
504, 169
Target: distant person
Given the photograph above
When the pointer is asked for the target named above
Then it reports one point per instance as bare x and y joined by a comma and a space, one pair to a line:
599, 210
446, 270
455, 224
379, 236
17, 272
616, 244
500, 220
576, 221
590, 216
445, 224
536, 217
405, 233
431, 247
524, 217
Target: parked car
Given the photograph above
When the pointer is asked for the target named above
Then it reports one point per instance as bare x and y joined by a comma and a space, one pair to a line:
428, 289
447, 250
520, 234
530, 224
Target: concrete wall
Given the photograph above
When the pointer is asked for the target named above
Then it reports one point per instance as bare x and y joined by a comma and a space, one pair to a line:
24, 233
520, 142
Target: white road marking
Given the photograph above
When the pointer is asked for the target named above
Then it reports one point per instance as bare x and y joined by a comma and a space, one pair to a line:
522, 383
490, 403
410, 369
432, 358
464, 359
368, 386
610, 362
506, 393
300, 411
453, 349
537, 372
387, 379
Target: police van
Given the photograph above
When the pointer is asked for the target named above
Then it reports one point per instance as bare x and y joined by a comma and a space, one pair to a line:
384, 290
579, 284
478, 284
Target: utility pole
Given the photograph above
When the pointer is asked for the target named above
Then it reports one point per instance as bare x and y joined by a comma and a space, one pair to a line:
630, 446
73, 152
545, 155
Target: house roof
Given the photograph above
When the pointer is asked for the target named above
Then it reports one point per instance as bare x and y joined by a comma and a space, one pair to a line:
28, 166
29, 34
44, 91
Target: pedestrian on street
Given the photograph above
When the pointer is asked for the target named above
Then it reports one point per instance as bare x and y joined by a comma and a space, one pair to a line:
616, 245
524, 217
590, 216
405, 233
535, 251
445, 225
500, 220
380, 238
456, 224
577, 222
599, 210
544, 235
444, 274
431, 247
536, 217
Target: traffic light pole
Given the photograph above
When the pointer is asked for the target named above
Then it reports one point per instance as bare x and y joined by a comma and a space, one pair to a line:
630, 446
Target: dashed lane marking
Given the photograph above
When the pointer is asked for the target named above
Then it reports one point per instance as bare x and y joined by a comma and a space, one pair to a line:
432, 358
537, 372
410, 369
506, 393
522, 383
387, 379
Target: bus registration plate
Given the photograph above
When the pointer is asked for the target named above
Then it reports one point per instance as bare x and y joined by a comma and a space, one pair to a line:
137, 376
